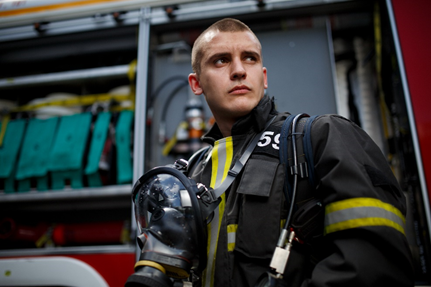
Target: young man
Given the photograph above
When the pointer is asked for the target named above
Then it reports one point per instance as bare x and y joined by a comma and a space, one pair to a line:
362, 240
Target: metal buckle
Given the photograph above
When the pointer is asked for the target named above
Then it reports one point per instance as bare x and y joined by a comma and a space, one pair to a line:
181, 164
206, 195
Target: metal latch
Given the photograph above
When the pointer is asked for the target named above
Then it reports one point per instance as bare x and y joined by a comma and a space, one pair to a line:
281, 254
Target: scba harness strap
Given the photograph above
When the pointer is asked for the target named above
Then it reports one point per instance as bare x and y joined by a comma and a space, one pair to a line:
296, 153
297, 157
304, 153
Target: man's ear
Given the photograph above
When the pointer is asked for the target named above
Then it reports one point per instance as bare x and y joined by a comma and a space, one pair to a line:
194, 84
265, 78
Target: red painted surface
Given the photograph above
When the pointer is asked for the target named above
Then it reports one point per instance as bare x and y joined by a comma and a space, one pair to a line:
413, 20
115, 268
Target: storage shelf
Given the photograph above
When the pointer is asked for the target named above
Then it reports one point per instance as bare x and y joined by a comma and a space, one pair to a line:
68, 193
69, 250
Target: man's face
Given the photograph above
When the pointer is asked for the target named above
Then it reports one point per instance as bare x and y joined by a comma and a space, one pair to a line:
232, 77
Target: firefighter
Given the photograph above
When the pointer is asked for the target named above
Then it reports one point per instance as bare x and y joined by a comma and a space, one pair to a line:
361, 239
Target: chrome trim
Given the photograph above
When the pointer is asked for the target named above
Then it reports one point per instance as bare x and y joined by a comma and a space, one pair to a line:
141, 106
105, 249
68, 193
59, 77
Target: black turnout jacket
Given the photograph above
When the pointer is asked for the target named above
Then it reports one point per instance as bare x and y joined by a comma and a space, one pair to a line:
360, 239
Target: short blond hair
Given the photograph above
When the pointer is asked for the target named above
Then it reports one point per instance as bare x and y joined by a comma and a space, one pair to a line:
224, 25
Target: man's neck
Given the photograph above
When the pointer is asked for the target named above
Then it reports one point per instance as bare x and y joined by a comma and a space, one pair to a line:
225, 127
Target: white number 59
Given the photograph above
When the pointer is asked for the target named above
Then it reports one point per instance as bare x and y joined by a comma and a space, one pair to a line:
266, 139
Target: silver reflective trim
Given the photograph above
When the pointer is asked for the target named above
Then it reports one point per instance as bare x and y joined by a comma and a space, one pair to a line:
231, 237
361, 212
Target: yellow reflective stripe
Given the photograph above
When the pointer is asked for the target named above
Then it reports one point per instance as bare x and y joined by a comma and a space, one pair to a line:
363, 202
221, 157
363, 222
214, 159
362, 212
282, 223
231, 236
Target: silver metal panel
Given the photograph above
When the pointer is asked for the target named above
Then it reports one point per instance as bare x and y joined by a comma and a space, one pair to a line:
299, 70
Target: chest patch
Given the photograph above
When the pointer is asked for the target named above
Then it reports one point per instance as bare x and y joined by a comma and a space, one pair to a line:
269, 142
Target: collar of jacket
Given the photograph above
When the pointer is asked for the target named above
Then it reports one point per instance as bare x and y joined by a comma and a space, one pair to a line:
255, 120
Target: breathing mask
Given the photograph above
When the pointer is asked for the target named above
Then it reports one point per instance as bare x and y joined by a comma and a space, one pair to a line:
171, 212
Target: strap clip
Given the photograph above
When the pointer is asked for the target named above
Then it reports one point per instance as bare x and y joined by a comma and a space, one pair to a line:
181, 164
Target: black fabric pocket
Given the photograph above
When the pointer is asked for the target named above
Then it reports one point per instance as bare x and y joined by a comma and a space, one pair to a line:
259, 221
258, 177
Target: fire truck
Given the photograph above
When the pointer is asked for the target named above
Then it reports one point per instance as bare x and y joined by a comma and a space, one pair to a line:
94, 93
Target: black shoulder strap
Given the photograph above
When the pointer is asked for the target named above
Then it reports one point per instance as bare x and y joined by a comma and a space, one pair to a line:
237, 167
308, 150
304, 152
239, 164
284, 133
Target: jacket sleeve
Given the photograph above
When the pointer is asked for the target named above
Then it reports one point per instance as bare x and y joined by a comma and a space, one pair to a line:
364, 231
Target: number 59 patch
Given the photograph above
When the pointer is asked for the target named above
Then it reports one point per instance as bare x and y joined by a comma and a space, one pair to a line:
269, 142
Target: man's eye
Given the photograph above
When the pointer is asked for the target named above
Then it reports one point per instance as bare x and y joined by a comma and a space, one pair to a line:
250, 59
220, 61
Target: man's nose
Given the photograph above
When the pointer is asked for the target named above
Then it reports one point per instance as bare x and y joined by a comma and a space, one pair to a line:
238, 71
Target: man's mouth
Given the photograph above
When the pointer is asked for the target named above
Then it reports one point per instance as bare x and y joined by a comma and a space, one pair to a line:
241, 89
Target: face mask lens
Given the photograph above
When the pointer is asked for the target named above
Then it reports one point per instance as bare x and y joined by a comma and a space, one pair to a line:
158, 192
171, 228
